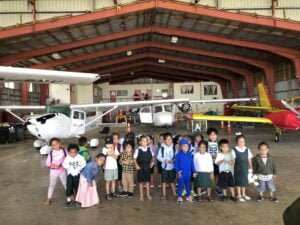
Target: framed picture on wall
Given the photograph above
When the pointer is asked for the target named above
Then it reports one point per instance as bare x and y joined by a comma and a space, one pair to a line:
187, 89
210, 89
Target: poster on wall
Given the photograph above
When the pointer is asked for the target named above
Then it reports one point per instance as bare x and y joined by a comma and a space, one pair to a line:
187, 89
113, 96
210, 89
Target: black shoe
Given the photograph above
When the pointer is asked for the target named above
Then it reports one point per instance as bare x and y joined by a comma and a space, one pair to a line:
259, 198
209, 199
130, 194
273, 199
114, 195
232, 198
199, 199
68, 204
224, 198
78, 204
123, 194
108, 197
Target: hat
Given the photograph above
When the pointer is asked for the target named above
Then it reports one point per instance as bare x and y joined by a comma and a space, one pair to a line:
108, 140
184, 141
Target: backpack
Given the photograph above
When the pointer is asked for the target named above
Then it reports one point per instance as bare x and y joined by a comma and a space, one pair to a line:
51, 156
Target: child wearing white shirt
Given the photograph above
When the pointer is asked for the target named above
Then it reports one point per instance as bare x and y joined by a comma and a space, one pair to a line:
73, 163
203, 164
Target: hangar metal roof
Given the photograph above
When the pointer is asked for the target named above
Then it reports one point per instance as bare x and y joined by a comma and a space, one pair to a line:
131, 38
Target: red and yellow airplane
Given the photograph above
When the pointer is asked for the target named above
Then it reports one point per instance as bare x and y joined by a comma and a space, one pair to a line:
284, 116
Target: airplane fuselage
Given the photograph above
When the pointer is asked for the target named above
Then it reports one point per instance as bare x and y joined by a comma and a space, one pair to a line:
286, 120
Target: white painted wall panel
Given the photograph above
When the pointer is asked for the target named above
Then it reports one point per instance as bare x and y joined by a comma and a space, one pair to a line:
212, 3
293, 14
63, 5
14, 5
100, 4
61, 92
288, 3
245, 4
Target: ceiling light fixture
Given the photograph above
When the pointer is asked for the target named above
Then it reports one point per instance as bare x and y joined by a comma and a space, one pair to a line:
129, 53
56, 55
174, 39
162, 61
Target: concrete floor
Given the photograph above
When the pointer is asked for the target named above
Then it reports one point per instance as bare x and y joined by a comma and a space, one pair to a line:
24, 182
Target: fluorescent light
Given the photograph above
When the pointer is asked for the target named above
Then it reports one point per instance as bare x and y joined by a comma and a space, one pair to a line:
157, 90
162, 61
174, 39
56, 55
132, 73
129, 53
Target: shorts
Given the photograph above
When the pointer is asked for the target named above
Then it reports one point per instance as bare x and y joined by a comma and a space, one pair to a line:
225, 180
266, 186
203, 180
168, 176
216, 169
111, 174
159, 168
152, 169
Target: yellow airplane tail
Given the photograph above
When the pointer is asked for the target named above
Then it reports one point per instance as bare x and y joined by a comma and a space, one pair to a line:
263, 96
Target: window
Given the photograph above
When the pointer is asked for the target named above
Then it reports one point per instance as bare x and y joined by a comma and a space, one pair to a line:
158, 109
210, 90
146, 110
30, 87
168, 108
10, 85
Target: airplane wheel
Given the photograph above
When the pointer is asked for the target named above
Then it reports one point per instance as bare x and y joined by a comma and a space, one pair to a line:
277, 137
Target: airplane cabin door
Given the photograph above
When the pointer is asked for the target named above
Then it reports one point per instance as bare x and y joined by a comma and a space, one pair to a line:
78, 120
146, 114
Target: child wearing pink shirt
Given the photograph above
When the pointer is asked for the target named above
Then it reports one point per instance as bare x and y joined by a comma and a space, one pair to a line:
54, 161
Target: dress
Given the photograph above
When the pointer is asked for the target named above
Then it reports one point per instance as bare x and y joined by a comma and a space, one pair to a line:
241, 168
143, 160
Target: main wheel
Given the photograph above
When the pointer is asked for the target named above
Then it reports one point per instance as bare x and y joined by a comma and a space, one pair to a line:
277, 137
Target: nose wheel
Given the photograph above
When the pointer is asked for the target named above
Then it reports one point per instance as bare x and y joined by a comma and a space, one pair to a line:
278, 136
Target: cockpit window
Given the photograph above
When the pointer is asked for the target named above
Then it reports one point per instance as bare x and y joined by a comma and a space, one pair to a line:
64, 109
296, 102
158, 109
168, 108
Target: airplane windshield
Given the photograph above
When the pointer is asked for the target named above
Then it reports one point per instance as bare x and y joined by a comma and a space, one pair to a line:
64, 109
158, 109
168, 108
296, 102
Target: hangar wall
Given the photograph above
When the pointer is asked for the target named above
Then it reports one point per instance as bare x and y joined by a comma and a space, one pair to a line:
16, 12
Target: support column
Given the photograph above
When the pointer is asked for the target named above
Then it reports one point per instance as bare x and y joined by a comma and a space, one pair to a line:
297, 69
24, 93
235, 88
250, 84
44, 93
270, 75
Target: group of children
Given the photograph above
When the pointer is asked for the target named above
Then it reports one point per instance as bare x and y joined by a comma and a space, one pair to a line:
188, 162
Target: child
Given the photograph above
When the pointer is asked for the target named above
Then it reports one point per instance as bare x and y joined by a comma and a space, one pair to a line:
150, 139
161, 140
110, 168
128, 169
73, 163
87, 194
184, 167
166, 156
213, 149
196, 139
118, 146
265, 167
144, 161
242, 156
203, 164
225, 161
83, 144
54, 161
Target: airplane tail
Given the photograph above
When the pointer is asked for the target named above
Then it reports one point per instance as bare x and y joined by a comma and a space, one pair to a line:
263, 96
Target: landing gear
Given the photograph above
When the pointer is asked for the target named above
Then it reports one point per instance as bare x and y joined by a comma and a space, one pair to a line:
278, 135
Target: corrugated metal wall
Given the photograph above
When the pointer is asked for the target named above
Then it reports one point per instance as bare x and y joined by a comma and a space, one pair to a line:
13, 12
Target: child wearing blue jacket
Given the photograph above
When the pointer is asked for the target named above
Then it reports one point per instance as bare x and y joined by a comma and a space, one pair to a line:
184, 167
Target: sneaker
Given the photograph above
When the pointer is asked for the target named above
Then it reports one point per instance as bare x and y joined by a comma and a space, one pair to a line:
130, 194
240, 199
247, 198
224, 198
209, 199
78, 204
259, 198
179, 201
219, 191
273, 199
193, 194
114, 195
159, 186
68, 204
190, 199
199, 199
123, 194
152, 186
183, 193
232, 198
108, 197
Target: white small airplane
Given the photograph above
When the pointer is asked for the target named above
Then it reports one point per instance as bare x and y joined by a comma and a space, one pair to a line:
66, 121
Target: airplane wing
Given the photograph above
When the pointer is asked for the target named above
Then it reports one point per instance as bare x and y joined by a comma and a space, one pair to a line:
16, 74
254, 108
129, 103
22, 107
224, 100
231, 118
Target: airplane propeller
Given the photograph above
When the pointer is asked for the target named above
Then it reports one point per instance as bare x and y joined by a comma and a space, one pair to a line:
290, 107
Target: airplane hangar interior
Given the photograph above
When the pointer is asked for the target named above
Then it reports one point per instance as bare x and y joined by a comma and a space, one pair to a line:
150, 112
